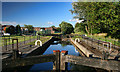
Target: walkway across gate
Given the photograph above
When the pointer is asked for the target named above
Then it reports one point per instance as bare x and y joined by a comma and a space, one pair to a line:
60, 60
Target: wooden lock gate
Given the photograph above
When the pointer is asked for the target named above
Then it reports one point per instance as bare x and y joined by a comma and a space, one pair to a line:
60, 60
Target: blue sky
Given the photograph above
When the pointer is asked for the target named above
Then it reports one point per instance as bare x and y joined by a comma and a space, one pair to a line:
38, 14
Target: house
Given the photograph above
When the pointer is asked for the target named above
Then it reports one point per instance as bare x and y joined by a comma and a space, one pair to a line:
24, 30
46, 30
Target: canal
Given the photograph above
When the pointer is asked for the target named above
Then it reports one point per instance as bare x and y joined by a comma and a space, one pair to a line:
58, 45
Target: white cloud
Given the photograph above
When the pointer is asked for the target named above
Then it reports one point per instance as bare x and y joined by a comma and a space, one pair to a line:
9, 23
50, 22
76, 20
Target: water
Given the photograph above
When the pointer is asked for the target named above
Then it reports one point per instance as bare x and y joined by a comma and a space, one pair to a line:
60, 46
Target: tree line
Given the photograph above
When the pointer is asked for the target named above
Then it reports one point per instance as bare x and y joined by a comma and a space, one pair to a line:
18, 31
99, 17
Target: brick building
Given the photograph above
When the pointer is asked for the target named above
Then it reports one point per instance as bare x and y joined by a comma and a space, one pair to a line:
50, 29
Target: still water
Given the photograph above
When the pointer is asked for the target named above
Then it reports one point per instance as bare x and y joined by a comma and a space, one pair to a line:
55, 46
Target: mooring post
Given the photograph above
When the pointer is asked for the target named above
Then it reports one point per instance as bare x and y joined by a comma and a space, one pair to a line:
56, 63
63, 64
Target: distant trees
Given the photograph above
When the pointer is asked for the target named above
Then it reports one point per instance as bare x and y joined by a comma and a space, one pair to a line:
52, 26
66, 28
58, 29
7, 30
10, 29
30, 28
18, 30
100, 17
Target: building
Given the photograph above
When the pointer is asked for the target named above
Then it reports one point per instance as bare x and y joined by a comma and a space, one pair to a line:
24, 30
46, 30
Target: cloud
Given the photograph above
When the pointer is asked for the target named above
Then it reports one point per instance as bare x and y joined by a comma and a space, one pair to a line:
9, 23
75, 20
50, 22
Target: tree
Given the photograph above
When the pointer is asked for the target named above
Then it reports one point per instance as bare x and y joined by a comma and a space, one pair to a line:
7, 30
52, 26
30, 28
18, 30
101, 17
79, 27
58, 29
81, 10
66, 28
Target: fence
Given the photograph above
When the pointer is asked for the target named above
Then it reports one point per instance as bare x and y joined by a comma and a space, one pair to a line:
7, 41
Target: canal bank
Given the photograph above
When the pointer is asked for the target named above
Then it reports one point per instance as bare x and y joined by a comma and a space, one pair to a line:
62, 46
41, 49
56, 45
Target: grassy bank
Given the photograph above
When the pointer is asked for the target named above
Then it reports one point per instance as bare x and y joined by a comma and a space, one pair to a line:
21, 39
42, 38
101, 37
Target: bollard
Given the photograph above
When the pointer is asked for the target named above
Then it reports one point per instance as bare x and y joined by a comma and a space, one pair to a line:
63, 64
56, 63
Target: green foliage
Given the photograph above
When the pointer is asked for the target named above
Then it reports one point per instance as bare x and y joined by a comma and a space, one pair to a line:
58, 29
39, 32
79, 27
101, 17
7, 30
66, 28
30, 28
52, 26
10, 30
18, 30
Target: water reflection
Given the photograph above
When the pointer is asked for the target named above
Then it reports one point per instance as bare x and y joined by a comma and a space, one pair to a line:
57, 45
76, 50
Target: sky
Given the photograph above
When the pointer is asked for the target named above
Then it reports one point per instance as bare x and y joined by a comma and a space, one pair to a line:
38, 14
